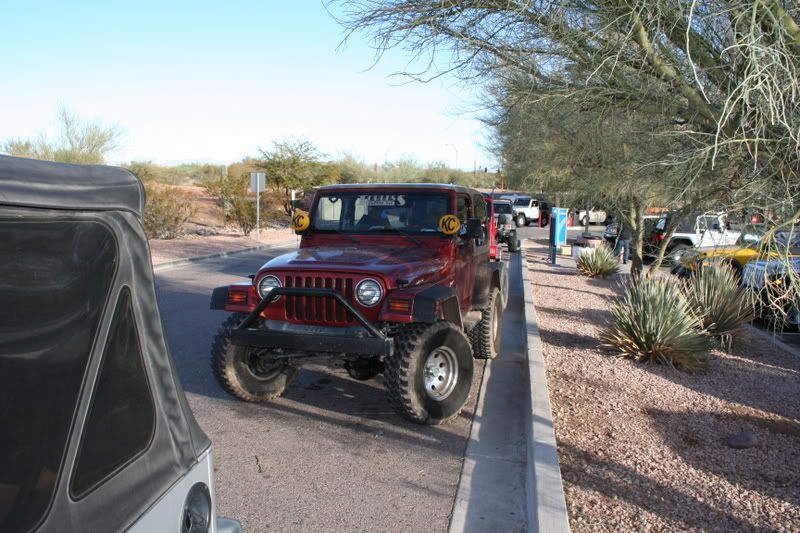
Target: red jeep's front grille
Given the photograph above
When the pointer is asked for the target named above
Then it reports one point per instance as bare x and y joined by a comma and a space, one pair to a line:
320, 309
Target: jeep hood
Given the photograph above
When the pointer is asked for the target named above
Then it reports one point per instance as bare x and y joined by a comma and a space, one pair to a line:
392, 262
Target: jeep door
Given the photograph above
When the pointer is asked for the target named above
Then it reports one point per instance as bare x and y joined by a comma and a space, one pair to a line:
465, 261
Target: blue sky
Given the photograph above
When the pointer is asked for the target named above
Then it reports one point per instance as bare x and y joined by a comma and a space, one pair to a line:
212, 81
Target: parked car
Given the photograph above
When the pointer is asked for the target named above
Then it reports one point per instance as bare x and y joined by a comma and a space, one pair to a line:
526, 209
506, 232
696, 231
774, 282
97, 432
391, 278
592, 216
754, 243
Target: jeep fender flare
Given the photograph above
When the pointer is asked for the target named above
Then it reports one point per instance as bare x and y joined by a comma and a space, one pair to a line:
438, 303
487, 277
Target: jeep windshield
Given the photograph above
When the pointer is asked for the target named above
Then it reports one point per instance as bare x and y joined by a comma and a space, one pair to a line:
379, 212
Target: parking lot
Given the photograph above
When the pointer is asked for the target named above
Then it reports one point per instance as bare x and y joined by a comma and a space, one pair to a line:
331, 455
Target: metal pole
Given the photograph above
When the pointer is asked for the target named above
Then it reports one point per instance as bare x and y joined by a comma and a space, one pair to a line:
258, 209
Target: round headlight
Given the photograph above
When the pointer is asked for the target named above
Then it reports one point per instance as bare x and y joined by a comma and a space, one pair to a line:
369, 292
266, 284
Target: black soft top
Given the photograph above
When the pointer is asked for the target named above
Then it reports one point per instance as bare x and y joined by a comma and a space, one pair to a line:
73, 258
32, 183
395, 186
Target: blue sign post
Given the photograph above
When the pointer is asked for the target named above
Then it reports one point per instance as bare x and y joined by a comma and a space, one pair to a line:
558, 231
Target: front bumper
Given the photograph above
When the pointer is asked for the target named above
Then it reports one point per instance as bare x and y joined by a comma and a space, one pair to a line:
297, 340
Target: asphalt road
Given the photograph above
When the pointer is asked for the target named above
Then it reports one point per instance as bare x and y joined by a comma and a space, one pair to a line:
329, 456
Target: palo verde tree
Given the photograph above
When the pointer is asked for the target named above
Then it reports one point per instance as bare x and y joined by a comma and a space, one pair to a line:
723, 75
76, 141
295, 163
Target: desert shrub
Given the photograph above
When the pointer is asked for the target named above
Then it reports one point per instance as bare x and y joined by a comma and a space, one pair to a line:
598, 263
654, 322
717, 298
243, 213
165, 213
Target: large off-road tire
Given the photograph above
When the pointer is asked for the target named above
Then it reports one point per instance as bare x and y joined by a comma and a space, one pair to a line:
513, 242
429, 375
485, 336
239, 370
520, 220
504, 282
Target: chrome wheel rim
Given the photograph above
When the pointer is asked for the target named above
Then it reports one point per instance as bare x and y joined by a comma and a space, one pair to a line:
440, 373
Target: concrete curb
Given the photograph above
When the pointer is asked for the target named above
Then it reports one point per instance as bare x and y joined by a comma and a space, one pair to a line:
187, 260
547, 507
775, 341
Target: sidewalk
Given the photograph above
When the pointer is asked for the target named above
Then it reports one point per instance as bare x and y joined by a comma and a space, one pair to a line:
510, 480
171, 252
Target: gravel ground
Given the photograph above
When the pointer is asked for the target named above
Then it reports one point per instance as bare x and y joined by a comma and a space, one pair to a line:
643, 448
162, 250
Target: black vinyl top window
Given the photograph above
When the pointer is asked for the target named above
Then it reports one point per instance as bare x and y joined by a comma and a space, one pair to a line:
121, 420
55, 277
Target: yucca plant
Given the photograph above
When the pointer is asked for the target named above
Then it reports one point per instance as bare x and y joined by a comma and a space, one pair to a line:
598, 263
717, 298
654, 322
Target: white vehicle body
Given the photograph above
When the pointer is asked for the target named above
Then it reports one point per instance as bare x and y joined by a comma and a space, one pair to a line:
582, 216
704, 231
526, 209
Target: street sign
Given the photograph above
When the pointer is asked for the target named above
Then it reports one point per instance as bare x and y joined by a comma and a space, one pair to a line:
258, 182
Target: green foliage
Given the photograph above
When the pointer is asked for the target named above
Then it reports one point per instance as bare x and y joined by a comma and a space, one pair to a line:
405, 169
85, 142
654, 322
243, 213
165, 212
717, 298
232, 184
598, 263
296, 164
185, 174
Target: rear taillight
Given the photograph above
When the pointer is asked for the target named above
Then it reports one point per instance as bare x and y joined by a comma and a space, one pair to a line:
658, 237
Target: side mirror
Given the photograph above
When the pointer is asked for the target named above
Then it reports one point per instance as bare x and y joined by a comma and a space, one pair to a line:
474, 229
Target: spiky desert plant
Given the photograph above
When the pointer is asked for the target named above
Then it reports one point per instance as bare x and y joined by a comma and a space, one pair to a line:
654, 322
598, 263
717, 298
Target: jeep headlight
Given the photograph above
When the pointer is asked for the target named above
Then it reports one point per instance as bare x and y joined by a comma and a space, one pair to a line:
266, 284
369, 292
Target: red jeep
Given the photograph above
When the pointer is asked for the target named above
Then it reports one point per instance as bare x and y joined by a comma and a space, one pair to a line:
391, 278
